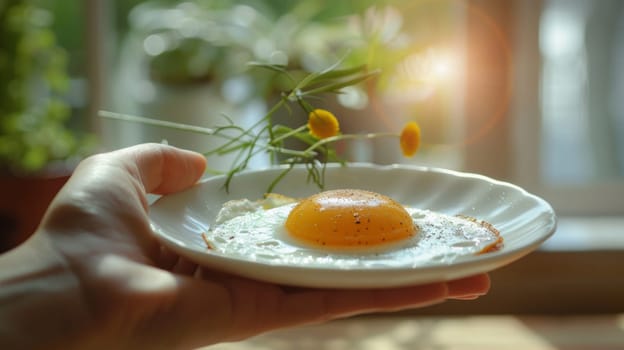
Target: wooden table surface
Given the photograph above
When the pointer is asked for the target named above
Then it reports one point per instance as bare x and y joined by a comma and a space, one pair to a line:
596, 332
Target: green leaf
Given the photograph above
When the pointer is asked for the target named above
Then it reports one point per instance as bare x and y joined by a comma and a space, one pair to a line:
339, 73
334, 87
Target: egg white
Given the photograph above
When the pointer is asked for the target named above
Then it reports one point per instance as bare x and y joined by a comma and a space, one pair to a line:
256, 234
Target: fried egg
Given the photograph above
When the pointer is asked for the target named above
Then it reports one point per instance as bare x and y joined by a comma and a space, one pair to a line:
346, 229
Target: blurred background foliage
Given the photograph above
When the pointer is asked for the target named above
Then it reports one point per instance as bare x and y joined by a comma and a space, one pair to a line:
212, 41
35, 127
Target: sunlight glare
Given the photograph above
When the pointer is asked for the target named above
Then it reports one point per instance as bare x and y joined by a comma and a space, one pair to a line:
421, 74
443, 67
433, 66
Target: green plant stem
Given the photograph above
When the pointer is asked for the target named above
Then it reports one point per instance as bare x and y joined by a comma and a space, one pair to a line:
264, 136
195, 129
160, 123
336, 138
290, 133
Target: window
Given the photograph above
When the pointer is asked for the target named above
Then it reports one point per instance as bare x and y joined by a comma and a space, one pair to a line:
576, 107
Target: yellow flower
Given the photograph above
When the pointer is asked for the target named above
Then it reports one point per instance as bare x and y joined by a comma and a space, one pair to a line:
410, 139
323, 124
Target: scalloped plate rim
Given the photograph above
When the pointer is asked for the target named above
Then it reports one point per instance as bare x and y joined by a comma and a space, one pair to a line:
488, 262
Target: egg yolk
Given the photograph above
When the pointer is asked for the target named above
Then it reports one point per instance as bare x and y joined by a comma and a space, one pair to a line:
349, 219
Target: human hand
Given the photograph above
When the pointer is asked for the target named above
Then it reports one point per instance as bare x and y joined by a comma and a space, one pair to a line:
93, 275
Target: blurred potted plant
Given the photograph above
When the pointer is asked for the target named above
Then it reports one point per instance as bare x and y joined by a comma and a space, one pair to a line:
183, 63
35, 140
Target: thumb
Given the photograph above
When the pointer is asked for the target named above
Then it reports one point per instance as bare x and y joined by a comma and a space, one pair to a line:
164, 169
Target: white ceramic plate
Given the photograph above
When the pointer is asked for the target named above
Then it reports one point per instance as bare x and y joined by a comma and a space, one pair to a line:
524, 221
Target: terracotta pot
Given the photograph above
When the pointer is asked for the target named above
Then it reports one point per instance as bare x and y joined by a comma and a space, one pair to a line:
23, 201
